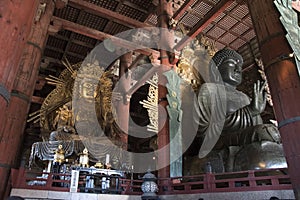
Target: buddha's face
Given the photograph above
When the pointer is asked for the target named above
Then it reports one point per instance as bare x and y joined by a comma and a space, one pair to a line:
231, 71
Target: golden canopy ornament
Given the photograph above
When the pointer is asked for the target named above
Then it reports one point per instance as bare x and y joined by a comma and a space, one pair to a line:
56, 109
151, 104
196, 55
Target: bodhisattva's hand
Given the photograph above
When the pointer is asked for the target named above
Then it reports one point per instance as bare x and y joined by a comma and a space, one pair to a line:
259, 100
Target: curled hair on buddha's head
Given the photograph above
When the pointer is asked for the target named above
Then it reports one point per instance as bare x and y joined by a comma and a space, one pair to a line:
225, 53
217, 60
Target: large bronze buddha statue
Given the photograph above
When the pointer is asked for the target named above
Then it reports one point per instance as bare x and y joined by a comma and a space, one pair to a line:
228, 119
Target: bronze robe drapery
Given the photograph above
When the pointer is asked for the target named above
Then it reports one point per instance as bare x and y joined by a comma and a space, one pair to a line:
221, 112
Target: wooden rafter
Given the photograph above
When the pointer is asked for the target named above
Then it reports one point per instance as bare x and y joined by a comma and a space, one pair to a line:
75, 41
37, 100
110, 23
179, 13
98, 35
136, 61
40, 82
203, 23
71, 37
57, 62
108, 14
136, 7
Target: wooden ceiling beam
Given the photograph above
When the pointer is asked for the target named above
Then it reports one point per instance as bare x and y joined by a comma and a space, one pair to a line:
108, 14
54, 49
37, 100
53, 60
136, 61
71, 36
241, 20
75, 41
229, 31
136, 7
66, 52
81, 43
76, 55
203, 23
208, 2
219, 41
179, 13
296, 5
98, 35
40, 82
215, 39
110, 23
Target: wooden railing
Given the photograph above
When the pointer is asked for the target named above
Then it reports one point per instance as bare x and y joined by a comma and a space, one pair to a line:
92, 183
28, 179
253, 180
131, 187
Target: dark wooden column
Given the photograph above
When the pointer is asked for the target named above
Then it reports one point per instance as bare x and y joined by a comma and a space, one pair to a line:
123, 105
163, 139
22, 82
283, 80
16, 19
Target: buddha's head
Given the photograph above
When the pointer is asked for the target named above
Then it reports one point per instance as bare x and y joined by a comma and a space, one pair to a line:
229, 64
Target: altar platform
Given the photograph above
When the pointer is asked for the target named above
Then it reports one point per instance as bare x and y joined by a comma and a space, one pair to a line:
248, 195
252, 184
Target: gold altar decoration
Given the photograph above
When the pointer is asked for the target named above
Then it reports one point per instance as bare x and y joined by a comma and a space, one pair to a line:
59, 155
151, 104
46, 150
262, 73
194, 58
64, 116
54, 112
84, 158
99, 165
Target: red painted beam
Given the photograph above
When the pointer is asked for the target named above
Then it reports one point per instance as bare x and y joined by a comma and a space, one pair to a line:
296, 5
202, 24
98, 35
109, 14
179, 13
136, 61
37, 100
40, 82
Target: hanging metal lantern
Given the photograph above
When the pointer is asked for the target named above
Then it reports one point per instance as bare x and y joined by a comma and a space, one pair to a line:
149, 187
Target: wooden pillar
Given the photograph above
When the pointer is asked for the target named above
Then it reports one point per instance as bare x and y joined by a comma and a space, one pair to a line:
166, 40
283, 80
123, 105
16, 19
23, 82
